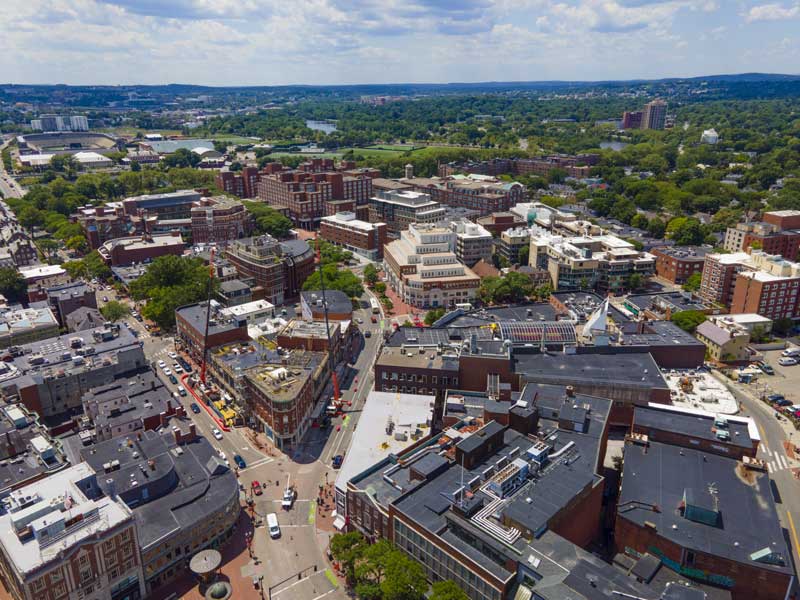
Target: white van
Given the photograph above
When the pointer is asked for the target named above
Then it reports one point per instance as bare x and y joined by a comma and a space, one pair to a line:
793, 352
272, 526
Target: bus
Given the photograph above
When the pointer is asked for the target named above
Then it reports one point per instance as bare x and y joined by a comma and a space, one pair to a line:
376, 308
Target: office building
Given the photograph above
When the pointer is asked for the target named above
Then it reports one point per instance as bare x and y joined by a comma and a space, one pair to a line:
252, 312
676, 264
481, 193
425, 272
183, 496
771, 236
705, 515
399, 209
121, 252
660, 306
62, 537
66, 298
512, 241
169, 205
51, 376
219, 220
496, 223
339, 305
277, 269
654, 115
24, 325
190, 321
361, 237
473, 242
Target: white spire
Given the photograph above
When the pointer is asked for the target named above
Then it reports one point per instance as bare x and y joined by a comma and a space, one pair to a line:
598, 322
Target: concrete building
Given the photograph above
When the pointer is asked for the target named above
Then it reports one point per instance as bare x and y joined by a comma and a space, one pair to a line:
252, 312
98, 547
24, 325
277, 269
51, 376
41, 277
710, 136
425, 272
218, 220
481, 193
234, 292
654, 115
92, 160
498, 222
139, 249
169, 205
399, 209
678, 263
512, 241
710, 517
603, 262
473, 242
725, 342
360, 237
53, 122
190, 321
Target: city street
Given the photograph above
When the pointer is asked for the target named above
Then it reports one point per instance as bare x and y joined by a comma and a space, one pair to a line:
8, 185
776, 448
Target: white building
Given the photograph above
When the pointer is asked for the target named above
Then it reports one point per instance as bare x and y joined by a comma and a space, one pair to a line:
254, 312
92, 160
425, 272
473, 241
710, 136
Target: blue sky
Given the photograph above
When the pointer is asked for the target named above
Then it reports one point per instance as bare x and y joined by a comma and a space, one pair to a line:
270, 42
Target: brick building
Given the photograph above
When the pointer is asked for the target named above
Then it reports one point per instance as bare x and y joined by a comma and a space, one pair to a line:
632, 119
190, 321
783, 219
103, 223
139, 249
497, 223
767, 236
678, 263
719, 276
361, 237
66, 298
219, 220
241, 184
481, 193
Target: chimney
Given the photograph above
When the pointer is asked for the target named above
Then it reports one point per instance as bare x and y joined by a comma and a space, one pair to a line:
570, 391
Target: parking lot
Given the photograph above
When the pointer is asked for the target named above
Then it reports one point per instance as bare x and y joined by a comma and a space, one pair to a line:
786, 379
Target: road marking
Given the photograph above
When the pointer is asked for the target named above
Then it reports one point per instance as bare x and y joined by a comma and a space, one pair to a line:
312, 512
770, 468
794, 532
258, 463
784, 462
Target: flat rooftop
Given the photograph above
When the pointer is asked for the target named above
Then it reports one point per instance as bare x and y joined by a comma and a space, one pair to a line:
740, 500
393, 356
409, 415
700, 390
686, 253
337, 301
309, 329
281, 383
636, 369
655, 334
696, 423
196, 314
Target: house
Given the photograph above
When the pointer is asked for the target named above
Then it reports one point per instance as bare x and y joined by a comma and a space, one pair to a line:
725, 341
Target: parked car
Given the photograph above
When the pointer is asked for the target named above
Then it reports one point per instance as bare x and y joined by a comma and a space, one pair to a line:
162, 364
766, 368
791, 352
173, 379
172, 355
256, 487
787, 361
272, 525
367, 334
181, 390
239, 461
338, 460
783, 402
185, 364
288, 498
216, 433
194, 407
177, 368
775, 397
167, 371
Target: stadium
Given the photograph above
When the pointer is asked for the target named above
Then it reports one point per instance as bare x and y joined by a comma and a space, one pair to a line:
67, 142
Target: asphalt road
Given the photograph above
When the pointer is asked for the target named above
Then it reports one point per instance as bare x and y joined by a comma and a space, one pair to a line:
774, 433
8, 186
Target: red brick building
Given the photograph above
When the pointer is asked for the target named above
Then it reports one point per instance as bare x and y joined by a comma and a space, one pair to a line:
719, 276
361, 237
190, 321
497, 223
783, 219
632, 119
677, 264
241, 184
139, 249
768, 295
220, 220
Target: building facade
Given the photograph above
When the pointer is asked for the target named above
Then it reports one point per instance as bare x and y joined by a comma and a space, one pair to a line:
345, 230
399, 209
219, 220
677, 264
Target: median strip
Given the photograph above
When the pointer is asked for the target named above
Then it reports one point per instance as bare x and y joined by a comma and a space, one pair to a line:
312, 512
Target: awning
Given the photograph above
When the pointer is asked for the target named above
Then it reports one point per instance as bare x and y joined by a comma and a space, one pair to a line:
339, 523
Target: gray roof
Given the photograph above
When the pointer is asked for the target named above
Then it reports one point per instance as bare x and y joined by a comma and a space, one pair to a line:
337, 301
84, 318
660, 474
718, 335
695, 424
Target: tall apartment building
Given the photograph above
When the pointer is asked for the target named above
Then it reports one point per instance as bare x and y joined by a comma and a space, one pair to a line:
719, 276
632, 119
62, 537
220, 220
277, 269
400, 208
678, 263
103, 223
303, 195
654, 115
361, 237
604, 262
424, 270
776, 234
770, 289
473, 242
241, 184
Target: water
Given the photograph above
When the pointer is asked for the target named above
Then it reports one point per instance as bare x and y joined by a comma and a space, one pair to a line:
616, 146
323, 126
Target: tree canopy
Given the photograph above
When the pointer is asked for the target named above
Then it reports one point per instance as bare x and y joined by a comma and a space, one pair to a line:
336, 279
688, 320
512, 287
12, 285
269, 220
114, 310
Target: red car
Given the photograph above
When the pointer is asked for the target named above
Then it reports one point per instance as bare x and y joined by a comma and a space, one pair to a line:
374, 319
257, 488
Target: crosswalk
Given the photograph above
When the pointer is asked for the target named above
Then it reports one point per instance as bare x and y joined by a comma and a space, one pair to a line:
776, 461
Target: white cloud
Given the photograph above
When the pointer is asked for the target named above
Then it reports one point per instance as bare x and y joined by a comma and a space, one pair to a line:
772, 12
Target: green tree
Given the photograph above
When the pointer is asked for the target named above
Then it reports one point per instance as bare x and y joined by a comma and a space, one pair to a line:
96, 267
512, 287
447, 590
114, 311
692, 283
268, 220
370, 275
782, 326
635, 281
335, 279
78, 243
12, 285
181, 158
48, 247
524, 253
30, 217
347, 549
688, 320
380, 287
434, 315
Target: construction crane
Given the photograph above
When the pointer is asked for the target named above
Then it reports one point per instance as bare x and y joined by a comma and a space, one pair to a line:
208, 313
336, 399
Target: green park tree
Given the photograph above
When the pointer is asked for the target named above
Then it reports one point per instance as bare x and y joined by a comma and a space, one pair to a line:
114, 310
12, 285
688, 320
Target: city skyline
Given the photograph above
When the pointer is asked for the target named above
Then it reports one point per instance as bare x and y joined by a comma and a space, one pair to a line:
265, 42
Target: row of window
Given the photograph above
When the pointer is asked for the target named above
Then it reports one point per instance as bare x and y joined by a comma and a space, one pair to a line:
412, 377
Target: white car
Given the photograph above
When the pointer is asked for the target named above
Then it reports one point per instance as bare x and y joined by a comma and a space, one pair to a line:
177, 368
216, 433
787, 361
172, 355
162, 364
794, 352
167, 371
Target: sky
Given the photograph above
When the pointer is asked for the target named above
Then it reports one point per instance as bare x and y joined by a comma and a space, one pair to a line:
276, 42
